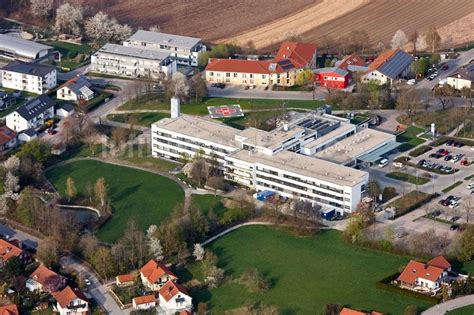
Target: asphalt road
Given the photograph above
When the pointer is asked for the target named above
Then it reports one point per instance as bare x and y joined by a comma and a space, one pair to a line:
442, 308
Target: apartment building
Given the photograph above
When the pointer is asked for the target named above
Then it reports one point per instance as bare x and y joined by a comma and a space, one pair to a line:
183, 49
291, 59
133, 62
267, 160
17, 48
31, 115
30, 77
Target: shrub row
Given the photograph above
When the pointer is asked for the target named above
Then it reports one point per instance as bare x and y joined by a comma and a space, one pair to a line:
384, 284
413, 206
444, 139
420, 150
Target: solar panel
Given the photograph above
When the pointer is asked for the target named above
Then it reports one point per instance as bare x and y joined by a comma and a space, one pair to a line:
286, 67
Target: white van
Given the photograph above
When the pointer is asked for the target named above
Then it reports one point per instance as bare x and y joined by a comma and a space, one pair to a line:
383, 163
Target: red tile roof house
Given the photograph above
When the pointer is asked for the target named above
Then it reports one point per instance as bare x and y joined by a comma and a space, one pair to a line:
11, 309
348, 311
291, 59
44, 279
71, 302
332, 77
125, 280
144, 302
352, 63
8, 139
174, 298
389, 66
154, 275
8, 251
425, 277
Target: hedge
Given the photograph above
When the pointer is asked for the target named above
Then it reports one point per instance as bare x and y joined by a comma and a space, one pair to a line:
444, 139
384, 284
420, 150
401, 211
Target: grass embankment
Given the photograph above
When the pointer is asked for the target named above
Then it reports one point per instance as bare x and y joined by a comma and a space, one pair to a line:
142, 119
72, 55
305, 273
200, 108
409, 139
146, 197
449, 188
465, 310
416, 180
410, 202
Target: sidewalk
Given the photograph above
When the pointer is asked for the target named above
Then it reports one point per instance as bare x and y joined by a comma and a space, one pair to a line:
442, 308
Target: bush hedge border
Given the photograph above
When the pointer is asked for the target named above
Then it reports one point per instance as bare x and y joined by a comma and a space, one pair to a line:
420, 150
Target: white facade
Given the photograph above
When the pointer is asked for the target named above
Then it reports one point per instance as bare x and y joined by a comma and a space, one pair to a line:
263, 160
132, 62
76, 307
183, 49
17, 123
143, 306
33, 285
459, 83
177, 303
65, 93
30, 83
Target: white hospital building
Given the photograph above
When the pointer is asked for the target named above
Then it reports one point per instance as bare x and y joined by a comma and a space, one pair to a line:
296, 160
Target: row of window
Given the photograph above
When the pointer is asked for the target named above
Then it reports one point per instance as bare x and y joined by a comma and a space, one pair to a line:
187, 140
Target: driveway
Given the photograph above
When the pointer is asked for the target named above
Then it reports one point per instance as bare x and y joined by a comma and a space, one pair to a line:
442, 308
97, 290
26, 239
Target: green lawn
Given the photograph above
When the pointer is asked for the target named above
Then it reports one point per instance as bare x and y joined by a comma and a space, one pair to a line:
207, 202
409, 139
305, 273
142, 119
141, 155
201, 108
451, 187
147, 197
467, 131
466, 310
70, 52
417, 180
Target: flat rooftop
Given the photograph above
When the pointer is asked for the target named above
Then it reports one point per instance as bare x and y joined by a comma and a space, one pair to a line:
165, 39
354, 146
305, 166
203, 129
343, 129
268, 139
130, 51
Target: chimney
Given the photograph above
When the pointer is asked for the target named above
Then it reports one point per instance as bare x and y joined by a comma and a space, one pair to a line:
175, 107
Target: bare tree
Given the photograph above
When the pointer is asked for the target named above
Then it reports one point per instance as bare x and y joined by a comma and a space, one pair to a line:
180, 85
399, 39
420, 43
154, 28
200, 171
101, 190
412, 39
41, 8
433, 39
69, 19
408, 101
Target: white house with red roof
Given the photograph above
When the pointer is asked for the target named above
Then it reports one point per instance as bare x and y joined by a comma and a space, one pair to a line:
144, 302
425, 277
8, 250
71, 302
125, 280
340, 76
10, 309
44, 279
174, 298
389, 66
154, 275
291, 59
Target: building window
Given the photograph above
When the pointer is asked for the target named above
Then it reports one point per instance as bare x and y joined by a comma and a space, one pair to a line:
227, 75
264, 76
244, 75
235, 75
211, 73
251, 76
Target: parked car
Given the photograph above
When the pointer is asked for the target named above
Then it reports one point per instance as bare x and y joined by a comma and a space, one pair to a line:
435, 213
411, 82
398, 164
464, 162
453, 204
454, 227
448, 157
455, 218
470, 186
401, 234
383, 163
88, 282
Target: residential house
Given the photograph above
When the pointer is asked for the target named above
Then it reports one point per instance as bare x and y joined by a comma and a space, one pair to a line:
125, 280
174, 298
144, 302
11, 309
154, 275
27, 135
44, 279
6, 100
12, 47
333, 77
463, 77
184, 50
65, 110
8, 139
71, 302
389, 66
292, 58
425, 277
133, 62
348, 311
352, 63
76, 89
30, 77
8, 250
31, 115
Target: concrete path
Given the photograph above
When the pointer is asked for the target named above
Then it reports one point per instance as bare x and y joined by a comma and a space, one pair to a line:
238, 226
442, 308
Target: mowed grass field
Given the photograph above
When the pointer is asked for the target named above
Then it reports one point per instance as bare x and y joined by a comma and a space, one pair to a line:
146, 197
142, 119
305, 273
466, 310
